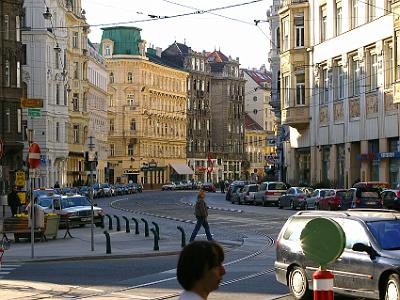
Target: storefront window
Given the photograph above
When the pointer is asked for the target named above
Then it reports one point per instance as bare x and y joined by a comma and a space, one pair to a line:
340, 165
304, 168
373, 147
325, 163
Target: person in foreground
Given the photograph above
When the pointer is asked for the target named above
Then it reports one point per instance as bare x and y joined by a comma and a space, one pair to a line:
200, 269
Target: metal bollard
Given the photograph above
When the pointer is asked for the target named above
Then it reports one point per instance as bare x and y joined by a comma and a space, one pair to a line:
157, 229
118, 223
183, 236
136, 225
108, 242
156, 238
102, 222
146, 227
110, 226
127, 228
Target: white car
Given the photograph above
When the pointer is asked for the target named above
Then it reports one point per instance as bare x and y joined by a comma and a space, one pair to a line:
169, 186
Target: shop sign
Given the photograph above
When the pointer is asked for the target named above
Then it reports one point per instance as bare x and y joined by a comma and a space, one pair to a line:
131, 171
367, 156
388, 155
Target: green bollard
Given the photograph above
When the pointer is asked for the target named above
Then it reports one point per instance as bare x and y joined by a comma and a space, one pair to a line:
183, 236
108, 242
156, 238
118, 223
157, 229
136, 225
127, 228
146, 227
110, 226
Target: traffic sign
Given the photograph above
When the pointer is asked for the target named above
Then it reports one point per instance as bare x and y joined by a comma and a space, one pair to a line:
34, 112
20, 178
31, 103
34, 156
1, 148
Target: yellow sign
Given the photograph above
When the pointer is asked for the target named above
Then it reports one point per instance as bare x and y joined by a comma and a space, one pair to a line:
20, 178
31, 103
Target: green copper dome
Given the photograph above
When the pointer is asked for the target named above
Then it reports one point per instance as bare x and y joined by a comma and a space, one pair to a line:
126, 39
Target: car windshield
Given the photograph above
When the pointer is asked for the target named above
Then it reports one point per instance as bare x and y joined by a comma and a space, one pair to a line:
387, 233
252, 188
74, 201
277, 186
44, 201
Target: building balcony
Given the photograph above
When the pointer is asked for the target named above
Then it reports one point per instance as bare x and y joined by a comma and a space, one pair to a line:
289, 3
297, 116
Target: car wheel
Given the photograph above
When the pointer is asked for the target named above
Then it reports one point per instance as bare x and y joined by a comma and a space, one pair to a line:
392, 291
298, 284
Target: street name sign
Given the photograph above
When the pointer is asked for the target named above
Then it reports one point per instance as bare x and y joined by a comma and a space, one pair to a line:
34, 112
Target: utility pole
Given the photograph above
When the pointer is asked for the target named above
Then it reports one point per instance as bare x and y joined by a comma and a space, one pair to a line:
31, 178
91, 147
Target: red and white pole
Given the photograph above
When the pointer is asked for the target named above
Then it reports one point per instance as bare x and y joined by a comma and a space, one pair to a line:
323, 285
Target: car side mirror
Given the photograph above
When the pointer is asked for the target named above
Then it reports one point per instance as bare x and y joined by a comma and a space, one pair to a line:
360, 247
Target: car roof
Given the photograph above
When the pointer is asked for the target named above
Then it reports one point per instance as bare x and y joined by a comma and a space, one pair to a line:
360, 214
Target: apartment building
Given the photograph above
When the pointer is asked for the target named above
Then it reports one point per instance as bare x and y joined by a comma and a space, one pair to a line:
227, 109
98, 100
337, 62
77, 91
147, 111
10, 91
198, 106
44, 76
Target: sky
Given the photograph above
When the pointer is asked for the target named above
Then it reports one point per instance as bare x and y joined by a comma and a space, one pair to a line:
201, 31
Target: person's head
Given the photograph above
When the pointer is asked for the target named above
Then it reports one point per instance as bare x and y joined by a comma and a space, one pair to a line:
200, 266
201, 194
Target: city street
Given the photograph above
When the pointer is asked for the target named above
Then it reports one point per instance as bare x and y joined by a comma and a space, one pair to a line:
249, 254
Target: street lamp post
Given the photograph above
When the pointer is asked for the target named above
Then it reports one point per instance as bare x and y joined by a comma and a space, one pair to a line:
91, 147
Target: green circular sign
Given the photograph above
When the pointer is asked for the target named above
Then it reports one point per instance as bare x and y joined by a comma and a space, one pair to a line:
322, 240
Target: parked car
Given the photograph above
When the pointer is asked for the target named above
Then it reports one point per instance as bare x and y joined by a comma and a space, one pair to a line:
76, 208
380, 185
341, 200
365, 197
391, 199
208, 187
42, 192
324, 203
315, 197
368, 266
294, 197
233, 187
269, 192
169, 186
246, 194
236, 194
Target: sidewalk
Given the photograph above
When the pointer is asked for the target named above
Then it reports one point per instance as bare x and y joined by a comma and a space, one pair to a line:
78, 247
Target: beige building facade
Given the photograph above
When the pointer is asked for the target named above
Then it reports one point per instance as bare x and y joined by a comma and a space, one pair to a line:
337, 92
77, 92
147, 111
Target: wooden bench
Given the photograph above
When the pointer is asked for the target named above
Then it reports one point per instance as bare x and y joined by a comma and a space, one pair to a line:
19, 227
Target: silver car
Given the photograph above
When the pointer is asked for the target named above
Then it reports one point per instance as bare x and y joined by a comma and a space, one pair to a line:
269, 192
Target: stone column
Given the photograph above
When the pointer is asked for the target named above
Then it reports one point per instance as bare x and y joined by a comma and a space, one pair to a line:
332, 173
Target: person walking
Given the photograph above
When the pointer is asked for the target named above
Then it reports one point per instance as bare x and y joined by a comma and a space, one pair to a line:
13, 201
222, 185
201, 213
200, 270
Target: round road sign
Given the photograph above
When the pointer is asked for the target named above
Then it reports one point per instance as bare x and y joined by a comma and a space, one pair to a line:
322, 241
34, 156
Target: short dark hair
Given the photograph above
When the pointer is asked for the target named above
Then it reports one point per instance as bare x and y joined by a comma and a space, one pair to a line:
195, 259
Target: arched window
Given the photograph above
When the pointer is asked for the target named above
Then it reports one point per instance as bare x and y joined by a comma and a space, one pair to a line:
111, 77
133, 124
129, 77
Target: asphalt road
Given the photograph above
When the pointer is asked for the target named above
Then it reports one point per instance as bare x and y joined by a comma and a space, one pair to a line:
249, 269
